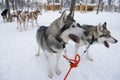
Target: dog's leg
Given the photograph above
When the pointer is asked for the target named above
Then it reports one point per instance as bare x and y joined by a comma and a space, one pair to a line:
38, 53
17, 25
3, 19
50, 74
27, 23
58, 72
88, 55
32, 23
6, 18
18, 22
20, 27
76, 48
65, 50
36, 22
24, 25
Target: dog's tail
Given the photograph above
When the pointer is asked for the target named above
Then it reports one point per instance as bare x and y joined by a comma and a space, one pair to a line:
40, 33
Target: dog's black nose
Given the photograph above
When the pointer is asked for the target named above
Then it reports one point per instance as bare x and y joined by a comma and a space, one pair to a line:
116, 41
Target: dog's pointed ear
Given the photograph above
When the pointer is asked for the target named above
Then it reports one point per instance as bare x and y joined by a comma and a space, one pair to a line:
104, 25
64, 12
78, 25
70, 17
64, 15
72, 14
99, 27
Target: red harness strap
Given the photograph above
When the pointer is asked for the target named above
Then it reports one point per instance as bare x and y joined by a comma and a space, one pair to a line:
73, 63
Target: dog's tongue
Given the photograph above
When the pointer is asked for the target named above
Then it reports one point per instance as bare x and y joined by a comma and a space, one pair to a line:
106, 44
74, 38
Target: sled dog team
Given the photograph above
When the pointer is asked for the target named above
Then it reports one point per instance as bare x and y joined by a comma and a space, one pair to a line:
23, 18
52, 39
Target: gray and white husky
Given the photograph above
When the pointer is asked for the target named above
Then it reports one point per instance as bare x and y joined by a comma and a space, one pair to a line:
94, 34
52, 39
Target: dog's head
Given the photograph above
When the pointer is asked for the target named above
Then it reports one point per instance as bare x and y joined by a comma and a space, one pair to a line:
38, 12
72, 32
105, 35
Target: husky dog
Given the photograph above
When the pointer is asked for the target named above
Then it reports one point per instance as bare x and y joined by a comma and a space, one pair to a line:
16, 13
4, 15
21, 19
33, 17
52, 39
95, 34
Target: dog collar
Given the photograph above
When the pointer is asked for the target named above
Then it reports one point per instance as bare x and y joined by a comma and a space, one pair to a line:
51, 50
93, 39
60, 40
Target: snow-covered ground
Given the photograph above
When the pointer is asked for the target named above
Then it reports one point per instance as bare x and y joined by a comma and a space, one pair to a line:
17, 51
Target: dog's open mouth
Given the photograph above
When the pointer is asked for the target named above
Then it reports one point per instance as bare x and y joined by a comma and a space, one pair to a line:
106, 44
74, 38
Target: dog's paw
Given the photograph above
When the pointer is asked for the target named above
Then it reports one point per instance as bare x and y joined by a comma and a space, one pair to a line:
58, 72
50, 75
90, 59
37, 55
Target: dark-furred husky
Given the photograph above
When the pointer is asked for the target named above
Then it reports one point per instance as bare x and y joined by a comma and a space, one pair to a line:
4, 15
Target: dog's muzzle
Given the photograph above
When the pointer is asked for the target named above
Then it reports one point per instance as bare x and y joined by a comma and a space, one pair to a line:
107, 44
74, 38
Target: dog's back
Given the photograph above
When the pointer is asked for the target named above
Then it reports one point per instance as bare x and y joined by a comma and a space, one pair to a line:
88, 27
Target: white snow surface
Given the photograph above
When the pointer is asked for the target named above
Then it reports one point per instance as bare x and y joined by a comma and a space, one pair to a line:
17, 51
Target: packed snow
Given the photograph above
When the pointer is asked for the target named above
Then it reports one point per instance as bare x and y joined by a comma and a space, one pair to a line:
18, 49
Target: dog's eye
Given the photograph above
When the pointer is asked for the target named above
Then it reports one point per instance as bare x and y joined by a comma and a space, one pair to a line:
73, 26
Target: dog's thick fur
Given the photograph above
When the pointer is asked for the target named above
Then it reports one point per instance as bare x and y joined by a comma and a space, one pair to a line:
33, 17
95, 34
21, 19
52, 39
4, 15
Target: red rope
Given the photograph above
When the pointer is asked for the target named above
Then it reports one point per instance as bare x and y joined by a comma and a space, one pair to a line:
73, 63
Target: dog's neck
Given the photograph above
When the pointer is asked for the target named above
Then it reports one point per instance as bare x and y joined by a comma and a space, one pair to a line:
23, 16
89, 41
